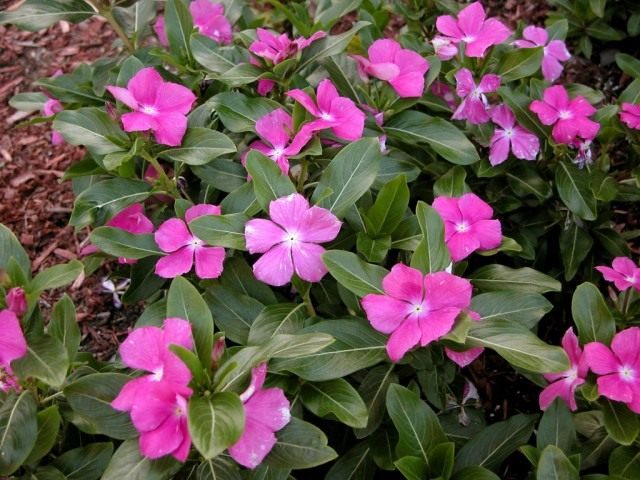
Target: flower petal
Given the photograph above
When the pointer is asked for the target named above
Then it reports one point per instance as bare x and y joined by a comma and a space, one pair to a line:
171, 128
473, 208
174, 98
289, 212
209, 262
260, 235
123, 95
499, 150
275, 267
444, 290
276, 128
200, 210
307, 261
464, 358
256, 442
614, 388
177, 331
488, 233
304, 99
600, 359
163, 440
269, 407
144, 349
172, 235
13, 345
626, 346
144, 86
384, 313
404, 283
318, 225
138, 122
175, 264
437, 323
403, 339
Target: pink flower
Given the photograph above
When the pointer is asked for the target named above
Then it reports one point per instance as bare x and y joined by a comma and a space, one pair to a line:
416, 308
568, 117
16, 301
290, 240
275, 129
158, 106
209, 20
13, 345
630, 115
564, 384
266, 411
158, 402
624, 274
442, 90
474, 104
332, 111
445, 48
524, 144
161, 31
277, 48
463, 358
468, 225
554, 52
404, 69
49, 109
618, 368
173, 237
472, 28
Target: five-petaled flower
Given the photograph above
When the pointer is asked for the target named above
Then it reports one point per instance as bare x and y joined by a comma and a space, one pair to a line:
564, 384
624, 273
472, 28
415, 308
157, 105
13, 346
618, 368
208, 18
474, 104
290, 240
524, 144
554, 52
468, 225
404, 69
630, 115
266, 410
568, 116
183, 247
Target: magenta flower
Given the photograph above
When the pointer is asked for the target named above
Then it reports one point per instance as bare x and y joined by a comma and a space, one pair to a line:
49, 109
13, 345
278, 48
563, 385
473, 29
624, 274
266, 410
555, 51
630, 115
332, 111
416, 308
463, 358
208, 19
161, 31
16, 301
175, 238
618, 368
444, 48
474, 104
157, 105
442, 90
524, 144
568, 117
275, 129
468, 225
158, 402
404, 69
290, 240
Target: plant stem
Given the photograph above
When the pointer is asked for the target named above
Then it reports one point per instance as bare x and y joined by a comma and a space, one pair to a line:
303, 174
51, 397
307, 301
166, 181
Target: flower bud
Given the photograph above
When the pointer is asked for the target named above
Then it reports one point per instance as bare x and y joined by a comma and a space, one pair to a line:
16, 301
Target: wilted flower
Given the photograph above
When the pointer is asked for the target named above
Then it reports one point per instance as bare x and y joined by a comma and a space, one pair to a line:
13, 345
416, 308
524, 144
290, 240
630, 115
278, 48
445, 48
115, 289
554, 52
624, 274
474, 104
50, 108
16, 301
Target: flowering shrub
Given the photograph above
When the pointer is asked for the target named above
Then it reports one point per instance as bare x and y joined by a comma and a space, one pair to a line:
329, 230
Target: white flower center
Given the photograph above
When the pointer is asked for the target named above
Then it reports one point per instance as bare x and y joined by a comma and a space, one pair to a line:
508, 132
627, 373
157, 374
476, 93
462, 227
196, 242
149, 109
631, 279
276, 153
564, 114
291, 238
571, 374
468, 38
326, 116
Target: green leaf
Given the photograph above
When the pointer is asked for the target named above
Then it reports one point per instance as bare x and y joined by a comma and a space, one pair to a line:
349, 176
525, 181
621, 423
34, 15
525, 308
574, 188
299, 345
64, 326
85, 463
554, 465
575, 245
355, 464
432, 254
221, 230
218, 468
335, 399
356, 346
519, 104
184, 301
28, 101
240, 75
625, 461
281, 318
120, 243
239, 275
56, 276
353, 273
178, 25
519, 63
452, 183
521, 280
557, 428
389, 208
200, 146
225, 175
49, 421
269, 183
373, 391
300, 445
517, 345
447, 140
10, 248
127, 462
328, 46
591, 315
412, 468
475, 473
628, 64
240, 113
92, 128
494, 444
442, 458
215, 423
211, 55
416, 423
373, 249
18, 430
235, 312
601, 30
90, 398
46, 360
